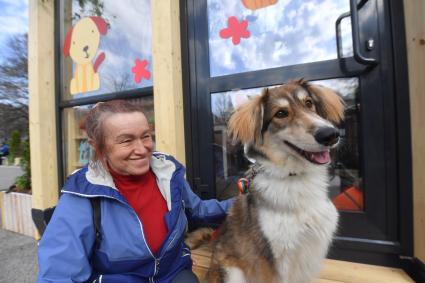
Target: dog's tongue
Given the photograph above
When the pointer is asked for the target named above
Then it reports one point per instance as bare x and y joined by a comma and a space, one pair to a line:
321, 157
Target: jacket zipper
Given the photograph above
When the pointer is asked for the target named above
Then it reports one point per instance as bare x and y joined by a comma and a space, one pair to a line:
157, 260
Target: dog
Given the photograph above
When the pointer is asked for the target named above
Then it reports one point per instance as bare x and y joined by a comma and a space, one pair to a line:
81, 43
281, 230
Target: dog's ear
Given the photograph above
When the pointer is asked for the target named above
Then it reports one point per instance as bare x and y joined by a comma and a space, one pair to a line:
246, 123
328, 103
67, 42
101, 24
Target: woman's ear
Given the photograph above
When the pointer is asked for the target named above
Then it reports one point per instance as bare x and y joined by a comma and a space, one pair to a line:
92, 143
329, 104
246, 122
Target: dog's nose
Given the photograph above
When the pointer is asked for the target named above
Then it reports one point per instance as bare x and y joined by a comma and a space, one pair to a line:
327, 136
85, 48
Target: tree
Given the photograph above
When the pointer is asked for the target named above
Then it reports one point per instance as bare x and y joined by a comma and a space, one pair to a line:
14, 73
15, 146
14, 85
23, 183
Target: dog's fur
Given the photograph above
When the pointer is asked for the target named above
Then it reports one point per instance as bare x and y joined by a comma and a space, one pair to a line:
281, 230
81, 43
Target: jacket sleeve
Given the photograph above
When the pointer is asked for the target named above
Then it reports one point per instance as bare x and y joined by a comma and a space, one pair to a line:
200, 210
67, 242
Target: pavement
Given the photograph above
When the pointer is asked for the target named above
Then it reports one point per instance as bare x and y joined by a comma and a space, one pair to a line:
18, 253
18, 258
8, 176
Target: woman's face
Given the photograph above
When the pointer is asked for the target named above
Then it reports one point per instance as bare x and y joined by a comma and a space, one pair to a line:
128, 143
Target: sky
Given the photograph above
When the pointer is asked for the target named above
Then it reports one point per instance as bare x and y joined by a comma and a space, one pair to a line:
13, 20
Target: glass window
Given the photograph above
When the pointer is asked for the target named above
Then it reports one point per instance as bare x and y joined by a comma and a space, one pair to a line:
345, 187
245, 35
77, 151
106, 46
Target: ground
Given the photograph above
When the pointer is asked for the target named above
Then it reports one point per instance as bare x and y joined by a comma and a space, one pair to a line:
18, 258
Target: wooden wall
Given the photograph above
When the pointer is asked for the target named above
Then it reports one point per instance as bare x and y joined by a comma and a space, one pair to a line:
167, 78
415, 38
42, 107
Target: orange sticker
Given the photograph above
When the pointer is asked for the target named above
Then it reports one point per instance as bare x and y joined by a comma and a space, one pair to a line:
258, 4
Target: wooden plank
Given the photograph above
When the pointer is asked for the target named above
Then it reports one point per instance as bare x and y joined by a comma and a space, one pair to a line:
332, 271
167, 78
415, 41
320, 280
42, 109
350, 272
17, 212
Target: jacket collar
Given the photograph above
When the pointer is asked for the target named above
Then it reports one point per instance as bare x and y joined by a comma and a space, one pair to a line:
94, 181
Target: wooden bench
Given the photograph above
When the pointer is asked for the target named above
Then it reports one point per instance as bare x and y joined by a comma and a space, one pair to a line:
334, 271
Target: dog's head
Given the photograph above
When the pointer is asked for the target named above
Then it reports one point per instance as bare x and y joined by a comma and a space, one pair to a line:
296, 120
82, 40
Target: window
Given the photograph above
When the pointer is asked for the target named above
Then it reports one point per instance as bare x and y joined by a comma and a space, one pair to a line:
104, 52
281, 34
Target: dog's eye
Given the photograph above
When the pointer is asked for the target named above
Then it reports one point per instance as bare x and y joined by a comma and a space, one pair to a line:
309, 103
92, 31
281, 114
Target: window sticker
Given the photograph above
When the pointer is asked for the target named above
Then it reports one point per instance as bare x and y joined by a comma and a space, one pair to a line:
258, 4
81, 44
236, 30
140, 70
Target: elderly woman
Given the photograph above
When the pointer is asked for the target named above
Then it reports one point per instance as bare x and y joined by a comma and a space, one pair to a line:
143, 199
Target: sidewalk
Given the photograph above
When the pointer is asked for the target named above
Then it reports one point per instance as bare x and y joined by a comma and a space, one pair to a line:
18, 258
8, 176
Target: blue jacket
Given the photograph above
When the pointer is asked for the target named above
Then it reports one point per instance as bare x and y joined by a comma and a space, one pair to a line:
66, 250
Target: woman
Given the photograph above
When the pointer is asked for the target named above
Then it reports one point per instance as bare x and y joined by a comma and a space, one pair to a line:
144, 199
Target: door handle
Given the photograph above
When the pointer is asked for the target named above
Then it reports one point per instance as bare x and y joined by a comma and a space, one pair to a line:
357, 53
338, 33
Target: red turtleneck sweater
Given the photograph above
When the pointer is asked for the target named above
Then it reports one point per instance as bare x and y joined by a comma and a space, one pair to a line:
143, 195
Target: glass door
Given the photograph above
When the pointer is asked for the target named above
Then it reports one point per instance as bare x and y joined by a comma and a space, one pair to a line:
235, 48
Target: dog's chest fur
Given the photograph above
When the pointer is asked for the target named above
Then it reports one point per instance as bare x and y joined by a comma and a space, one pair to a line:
298, 220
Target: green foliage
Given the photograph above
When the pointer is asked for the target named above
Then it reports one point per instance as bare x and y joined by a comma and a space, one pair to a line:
14, 146
23, 183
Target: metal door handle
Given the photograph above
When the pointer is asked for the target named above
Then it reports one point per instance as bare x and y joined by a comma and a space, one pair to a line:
358, 56
338, 33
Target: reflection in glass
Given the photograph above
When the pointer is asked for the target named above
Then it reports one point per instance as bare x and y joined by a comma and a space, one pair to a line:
77, 151
286, 33
345, 188
128, 38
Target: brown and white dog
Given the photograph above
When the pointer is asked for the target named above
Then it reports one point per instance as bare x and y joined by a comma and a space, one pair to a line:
281, 230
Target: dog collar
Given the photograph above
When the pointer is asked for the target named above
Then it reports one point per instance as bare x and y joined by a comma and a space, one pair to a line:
245, 183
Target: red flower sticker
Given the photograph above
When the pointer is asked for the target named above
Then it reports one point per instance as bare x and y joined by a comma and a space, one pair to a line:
140, 71
236, 30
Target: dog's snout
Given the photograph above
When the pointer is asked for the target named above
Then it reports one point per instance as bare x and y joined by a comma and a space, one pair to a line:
327, 136
85, 48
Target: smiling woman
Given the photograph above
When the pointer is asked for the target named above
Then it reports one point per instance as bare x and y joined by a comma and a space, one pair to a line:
143, 202
122, 140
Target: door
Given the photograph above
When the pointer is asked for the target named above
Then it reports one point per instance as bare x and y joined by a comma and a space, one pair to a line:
235, 48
